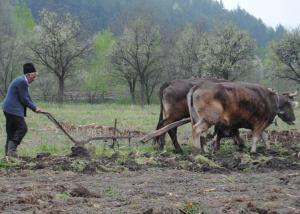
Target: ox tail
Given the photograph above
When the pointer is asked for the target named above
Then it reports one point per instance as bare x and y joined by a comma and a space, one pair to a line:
190, 102
161, 120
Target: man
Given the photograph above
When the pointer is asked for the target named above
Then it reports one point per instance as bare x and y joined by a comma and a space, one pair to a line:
14, 106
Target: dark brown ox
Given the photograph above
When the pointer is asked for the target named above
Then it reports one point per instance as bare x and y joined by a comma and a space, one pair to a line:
173, 107
237, 105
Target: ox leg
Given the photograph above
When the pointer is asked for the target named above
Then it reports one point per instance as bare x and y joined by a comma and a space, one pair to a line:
203, 143
238, 140
173, 135
159, 141
255, 139
198, 130
264, 137
217, 140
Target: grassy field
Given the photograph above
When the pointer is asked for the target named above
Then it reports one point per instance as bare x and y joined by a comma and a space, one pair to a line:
43, 137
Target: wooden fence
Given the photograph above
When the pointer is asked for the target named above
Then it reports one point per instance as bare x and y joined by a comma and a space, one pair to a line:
79, 96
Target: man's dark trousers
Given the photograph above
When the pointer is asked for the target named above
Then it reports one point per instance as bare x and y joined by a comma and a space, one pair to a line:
16, 129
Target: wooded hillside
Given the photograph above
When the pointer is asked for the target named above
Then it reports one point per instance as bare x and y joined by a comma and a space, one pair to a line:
99, 15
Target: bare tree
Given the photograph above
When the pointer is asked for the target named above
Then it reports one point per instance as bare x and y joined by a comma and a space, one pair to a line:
151, 81
123, 69
58, 46
138, 54
187, 52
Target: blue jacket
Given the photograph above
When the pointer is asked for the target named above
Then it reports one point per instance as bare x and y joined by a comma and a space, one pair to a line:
18, 98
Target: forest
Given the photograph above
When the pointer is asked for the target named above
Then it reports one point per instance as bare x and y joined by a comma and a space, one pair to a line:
82, 48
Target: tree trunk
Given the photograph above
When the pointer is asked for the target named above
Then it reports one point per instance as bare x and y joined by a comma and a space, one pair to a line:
45, 96
143, 90
61, 89
132, 91
148, 95
226, 75
103, 96
90, 97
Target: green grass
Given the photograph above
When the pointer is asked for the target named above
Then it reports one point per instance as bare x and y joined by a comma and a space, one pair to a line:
112, 192
190, 207
204, 160
62, 196
42, 135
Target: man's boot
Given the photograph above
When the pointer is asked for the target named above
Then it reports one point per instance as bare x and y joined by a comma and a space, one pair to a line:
12, 149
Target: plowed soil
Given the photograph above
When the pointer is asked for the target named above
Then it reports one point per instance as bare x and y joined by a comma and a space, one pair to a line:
224, 182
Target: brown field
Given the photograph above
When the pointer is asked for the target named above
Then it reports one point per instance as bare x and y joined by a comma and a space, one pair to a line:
134, 178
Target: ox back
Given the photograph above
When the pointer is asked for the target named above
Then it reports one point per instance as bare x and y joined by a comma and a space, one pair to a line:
236, 105
173, 106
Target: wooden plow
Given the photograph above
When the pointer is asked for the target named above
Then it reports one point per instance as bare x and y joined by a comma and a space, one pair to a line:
164, 129
115, 137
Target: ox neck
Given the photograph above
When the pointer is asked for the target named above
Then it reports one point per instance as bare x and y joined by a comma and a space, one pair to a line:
276, 105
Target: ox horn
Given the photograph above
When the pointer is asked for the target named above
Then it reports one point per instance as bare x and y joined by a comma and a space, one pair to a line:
293, 94
272, 90
290, 94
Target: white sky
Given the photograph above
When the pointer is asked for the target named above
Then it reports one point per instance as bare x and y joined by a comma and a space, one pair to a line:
272, 12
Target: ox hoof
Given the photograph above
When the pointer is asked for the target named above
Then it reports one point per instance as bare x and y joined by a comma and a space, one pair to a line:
158, 145
205, 149
178, 151
196, 151
241, 147
253, 149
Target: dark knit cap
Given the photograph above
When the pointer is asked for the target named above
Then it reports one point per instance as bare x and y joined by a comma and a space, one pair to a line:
28, 68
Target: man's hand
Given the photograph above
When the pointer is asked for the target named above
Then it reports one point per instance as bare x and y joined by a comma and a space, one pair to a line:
38, 110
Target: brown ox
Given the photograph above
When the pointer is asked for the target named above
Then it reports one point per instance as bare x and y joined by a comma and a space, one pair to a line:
237, 105
173, 107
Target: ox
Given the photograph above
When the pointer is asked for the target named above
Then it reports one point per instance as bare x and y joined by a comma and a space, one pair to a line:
173, 107
237, 105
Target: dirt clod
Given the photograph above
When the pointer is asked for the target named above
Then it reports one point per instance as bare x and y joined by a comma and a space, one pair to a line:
81, 191
131, 165
227, 181
90, 169
80, 152
162, 210
42, 155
